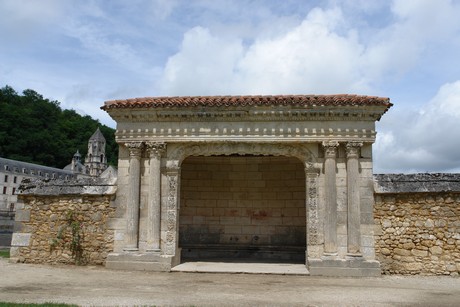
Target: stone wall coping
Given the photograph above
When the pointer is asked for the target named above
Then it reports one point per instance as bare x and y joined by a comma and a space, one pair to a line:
81, 186
416, 183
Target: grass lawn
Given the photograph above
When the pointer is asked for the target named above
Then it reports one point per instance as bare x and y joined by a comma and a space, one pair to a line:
4, 253
4, 304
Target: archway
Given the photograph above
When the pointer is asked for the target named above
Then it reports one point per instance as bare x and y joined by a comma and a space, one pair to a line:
243, 208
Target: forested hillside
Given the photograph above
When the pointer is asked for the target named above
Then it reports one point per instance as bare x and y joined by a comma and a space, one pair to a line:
34, 129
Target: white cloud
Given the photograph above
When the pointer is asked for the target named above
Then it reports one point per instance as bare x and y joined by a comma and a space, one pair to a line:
424, 141
311, 57
322, 54
419, 25
22, 20
204, 65
85, 52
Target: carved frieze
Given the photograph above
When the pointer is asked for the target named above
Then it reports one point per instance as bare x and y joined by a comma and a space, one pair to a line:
265, 132
227, 114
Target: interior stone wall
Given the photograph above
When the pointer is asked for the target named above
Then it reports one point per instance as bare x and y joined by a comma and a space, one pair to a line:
248, 201
418, 233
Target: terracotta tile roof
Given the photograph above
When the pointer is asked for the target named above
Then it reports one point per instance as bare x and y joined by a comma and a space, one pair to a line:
229, 101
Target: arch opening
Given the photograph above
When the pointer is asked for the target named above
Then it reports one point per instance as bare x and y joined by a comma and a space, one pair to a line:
242, 208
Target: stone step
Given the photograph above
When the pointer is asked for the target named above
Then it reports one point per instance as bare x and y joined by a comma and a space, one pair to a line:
138, 261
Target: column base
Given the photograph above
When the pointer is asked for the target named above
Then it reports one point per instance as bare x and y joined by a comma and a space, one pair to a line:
153, 250
130, 249
139, 262
330, 256
352, 267
354, 255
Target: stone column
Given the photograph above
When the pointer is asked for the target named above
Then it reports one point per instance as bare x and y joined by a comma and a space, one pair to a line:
155, 149
133, 197
330, 220
354, 212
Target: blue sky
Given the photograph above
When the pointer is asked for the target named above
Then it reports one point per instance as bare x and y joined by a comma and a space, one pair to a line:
83, 52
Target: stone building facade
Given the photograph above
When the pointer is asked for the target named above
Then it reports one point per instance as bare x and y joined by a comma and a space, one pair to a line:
245, 149
12, 172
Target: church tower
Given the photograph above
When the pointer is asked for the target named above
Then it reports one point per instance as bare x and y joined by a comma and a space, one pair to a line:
96, 161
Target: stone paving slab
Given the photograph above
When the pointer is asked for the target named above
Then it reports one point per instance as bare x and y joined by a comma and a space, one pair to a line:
242, 268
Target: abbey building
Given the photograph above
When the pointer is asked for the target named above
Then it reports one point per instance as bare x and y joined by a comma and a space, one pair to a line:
12, 173
95, 161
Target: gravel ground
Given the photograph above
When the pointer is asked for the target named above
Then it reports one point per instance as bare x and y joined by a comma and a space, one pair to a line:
97, 286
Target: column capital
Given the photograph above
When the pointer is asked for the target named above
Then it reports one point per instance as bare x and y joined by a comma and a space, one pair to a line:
352, 149
330, 148
156, 149
310, 169
135, 148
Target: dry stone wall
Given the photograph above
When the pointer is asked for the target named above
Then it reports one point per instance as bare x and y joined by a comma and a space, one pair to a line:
64, 223
418, 224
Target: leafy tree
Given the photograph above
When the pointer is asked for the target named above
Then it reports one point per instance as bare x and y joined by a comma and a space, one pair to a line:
36, 130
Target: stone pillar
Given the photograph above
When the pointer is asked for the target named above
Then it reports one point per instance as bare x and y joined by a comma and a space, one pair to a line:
154, 202
313, 220
354, 212
330, 220
133, 197
171, 204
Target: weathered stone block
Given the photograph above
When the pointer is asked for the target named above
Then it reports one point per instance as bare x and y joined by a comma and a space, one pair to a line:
22, 215
436, 250
419, 253
21, 239
401, 252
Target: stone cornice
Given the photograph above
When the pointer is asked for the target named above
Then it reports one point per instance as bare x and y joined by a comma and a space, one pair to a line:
280, 134
317, 113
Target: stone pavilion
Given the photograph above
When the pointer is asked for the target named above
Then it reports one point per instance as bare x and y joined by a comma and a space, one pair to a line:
266, 178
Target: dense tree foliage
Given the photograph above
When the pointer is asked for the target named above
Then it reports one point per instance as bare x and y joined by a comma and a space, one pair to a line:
36, 130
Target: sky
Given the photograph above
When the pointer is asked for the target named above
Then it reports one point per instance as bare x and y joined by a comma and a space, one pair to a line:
84, 52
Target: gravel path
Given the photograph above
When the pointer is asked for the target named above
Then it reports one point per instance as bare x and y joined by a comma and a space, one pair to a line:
97, 286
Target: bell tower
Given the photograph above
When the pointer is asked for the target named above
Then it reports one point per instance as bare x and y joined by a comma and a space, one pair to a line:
96, 160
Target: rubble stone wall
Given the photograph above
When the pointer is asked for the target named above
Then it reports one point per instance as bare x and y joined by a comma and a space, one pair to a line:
57, 223
417, 221
64, 223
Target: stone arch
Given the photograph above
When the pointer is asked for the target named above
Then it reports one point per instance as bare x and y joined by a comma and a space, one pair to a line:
177, 153
182, 151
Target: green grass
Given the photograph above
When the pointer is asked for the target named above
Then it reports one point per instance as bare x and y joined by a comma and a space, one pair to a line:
4, 253
4, 304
